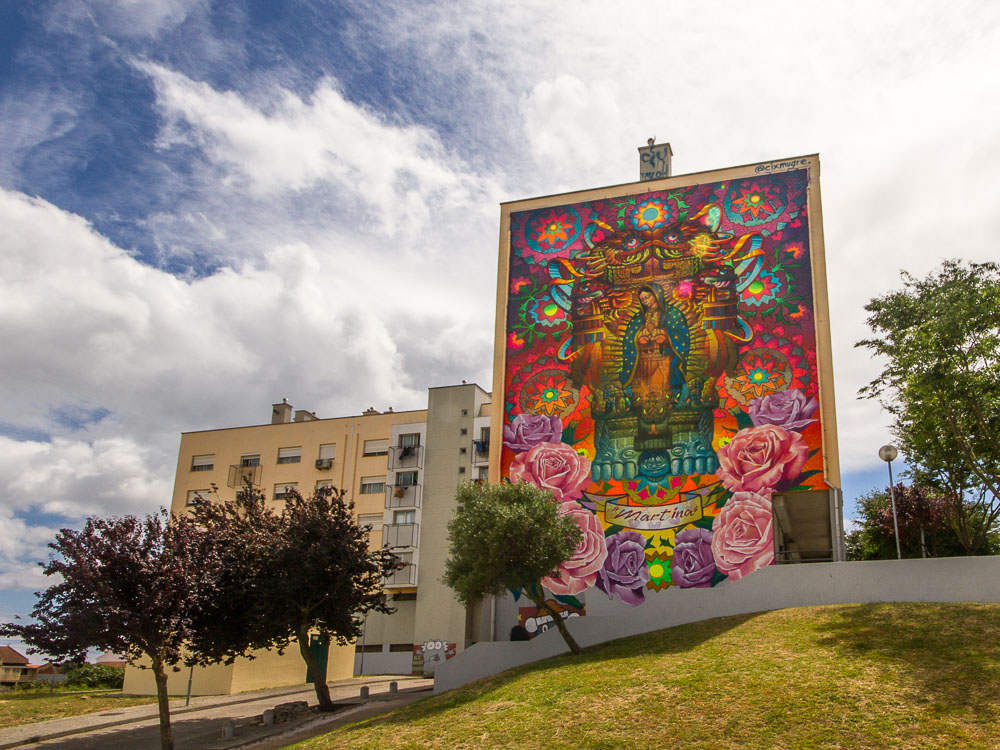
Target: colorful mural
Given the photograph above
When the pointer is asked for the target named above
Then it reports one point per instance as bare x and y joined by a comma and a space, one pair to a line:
660, 378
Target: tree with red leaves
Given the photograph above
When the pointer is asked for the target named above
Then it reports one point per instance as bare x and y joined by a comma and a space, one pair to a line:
129, 585
287, 574
926, 526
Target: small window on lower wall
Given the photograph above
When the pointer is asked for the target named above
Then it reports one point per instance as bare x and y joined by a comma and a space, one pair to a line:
281, 490
407, 596
194, 496
397, 647
368, 648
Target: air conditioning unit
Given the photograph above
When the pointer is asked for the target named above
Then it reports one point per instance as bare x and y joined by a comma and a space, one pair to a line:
324, 463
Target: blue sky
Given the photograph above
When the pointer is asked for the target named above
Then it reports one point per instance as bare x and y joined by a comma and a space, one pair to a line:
200, 201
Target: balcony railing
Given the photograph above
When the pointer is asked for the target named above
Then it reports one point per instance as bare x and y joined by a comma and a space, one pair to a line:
406, 457
402, 495
405, 575
240, 476
400, 534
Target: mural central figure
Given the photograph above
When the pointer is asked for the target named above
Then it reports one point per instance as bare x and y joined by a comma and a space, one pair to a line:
655, 324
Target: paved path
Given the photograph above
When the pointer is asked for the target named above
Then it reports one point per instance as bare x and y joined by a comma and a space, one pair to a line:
199, 726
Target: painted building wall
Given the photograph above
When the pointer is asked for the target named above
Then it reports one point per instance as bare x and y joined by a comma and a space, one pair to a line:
664, 354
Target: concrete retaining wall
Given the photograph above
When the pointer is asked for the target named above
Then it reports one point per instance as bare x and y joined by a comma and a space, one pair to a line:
955, 579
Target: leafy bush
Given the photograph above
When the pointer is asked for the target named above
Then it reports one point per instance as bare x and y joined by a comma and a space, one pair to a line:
96, 676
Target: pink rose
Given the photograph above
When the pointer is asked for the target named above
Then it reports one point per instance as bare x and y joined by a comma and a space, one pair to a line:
579, 571
742, 535
555, 467
759, 458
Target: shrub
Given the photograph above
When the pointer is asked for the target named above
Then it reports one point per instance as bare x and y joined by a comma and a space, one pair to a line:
96, 676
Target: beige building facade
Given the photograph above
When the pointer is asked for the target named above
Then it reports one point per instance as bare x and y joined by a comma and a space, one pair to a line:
401, 470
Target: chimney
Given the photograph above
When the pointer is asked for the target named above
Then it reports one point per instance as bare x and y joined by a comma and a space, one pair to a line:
305, 416
281, 413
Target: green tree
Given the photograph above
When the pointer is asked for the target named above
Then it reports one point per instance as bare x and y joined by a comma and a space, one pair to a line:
939, 339
508, 536
925, 526
306, 568
129, 585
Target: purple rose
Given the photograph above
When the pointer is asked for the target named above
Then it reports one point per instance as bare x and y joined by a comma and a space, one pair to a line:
789, 409
625, 574
693, 564
528, 430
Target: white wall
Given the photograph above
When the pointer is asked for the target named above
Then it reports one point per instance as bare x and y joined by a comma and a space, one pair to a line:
955, 579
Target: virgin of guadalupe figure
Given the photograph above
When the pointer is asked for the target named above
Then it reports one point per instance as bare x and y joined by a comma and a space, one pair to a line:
655, 348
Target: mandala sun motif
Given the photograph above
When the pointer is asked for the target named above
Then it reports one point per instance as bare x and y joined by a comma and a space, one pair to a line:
651, 214
553, 229
547, 313
753, 201
549, 396
760, 372
659, 570
763, 290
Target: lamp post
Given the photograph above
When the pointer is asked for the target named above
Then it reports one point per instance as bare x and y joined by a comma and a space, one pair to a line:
888, 454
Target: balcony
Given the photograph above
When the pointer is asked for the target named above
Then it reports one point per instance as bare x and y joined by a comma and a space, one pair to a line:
406, 457
400, 534
402, 495
480, 452
405, 575
240, 476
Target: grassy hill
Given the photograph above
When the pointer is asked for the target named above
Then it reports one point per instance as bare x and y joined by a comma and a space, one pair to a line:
854, 676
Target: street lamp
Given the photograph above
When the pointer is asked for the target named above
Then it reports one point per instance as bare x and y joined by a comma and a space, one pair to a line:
888, 454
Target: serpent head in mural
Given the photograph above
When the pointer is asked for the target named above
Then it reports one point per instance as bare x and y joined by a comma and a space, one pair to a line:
653, 305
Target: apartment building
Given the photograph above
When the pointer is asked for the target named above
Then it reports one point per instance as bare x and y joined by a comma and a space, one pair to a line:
400, 468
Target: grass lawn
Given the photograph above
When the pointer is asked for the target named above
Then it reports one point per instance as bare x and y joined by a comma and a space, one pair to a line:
846, 676
27, 707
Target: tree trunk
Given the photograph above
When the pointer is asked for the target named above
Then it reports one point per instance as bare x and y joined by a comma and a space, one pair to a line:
163, 703
559, 622
319, 680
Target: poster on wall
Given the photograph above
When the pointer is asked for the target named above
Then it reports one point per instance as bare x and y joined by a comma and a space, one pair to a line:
661, 355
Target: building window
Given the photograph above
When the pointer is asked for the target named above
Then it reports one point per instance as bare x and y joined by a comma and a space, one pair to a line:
194, 496
372, 485
290, 455
376, 447
409, 440
406, 478
323, 483
250, 459
404, 516
484, 472
368, 648
326, 451
400, 647
371, 519
203, 463
281, 490
465, 412
461, 469
464, 431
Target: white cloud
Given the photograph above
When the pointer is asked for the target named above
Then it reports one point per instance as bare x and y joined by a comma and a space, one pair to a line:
292, 145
